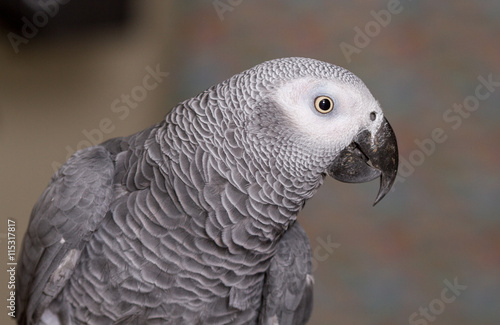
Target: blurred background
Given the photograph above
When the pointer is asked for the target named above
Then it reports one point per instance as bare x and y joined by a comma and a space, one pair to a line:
72, 74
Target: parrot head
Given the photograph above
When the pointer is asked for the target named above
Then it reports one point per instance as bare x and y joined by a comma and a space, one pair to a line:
314, 118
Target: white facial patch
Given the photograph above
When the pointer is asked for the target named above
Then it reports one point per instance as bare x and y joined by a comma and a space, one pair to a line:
336, 129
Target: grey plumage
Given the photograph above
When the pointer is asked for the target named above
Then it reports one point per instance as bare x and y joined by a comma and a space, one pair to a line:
193, 220
288, 287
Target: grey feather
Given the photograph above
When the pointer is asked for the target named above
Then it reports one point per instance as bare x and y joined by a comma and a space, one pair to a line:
61, 223
288, 288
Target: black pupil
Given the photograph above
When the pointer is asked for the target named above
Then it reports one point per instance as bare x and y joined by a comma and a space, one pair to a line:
324, 104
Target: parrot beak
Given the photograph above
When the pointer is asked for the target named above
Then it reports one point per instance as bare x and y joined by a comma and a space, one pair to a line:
367, 158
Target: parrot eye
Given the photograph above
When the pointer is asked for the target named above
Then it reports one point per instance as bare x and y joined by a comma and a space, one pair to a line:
323, 104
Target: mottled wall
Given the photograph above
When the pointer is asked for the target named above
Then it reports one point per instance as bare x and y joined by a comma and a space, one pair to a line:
424, 62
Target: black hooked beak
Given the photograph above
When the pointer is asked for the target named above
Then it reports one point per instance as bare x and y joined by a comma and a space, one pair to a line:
352, 165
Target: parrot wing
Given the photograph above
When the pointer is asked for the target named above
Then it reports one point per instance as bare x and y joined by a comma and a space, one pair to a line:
288, 288
62, 221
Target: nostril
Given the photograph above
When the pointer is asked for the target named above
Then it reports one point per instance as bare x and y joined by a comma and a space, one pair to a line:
373, 115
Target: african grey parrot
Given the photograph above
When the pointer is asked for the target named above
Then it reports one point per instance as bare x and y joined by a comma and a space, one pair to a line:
193, 220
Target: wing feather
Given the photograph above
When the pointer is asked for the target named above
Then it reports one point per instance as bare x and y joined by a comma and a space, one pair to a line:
62, 221
288, 289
